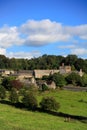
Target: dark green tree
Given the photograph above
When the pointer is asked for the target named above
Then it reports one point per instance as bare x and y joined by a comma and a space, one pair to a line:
84, 80
73, 78
2, 92
44, 87
49, 103
70, 60
6, 82
30, 101
59, 79
13, 97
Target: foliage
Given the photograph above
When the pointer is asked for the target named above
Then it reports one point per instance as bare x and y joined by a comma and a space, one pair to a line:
84, 80
16, 84
49, 103
13, 97
44, 87
2, 92
59, 79
74, 79
6, 82
30, 101
43, 62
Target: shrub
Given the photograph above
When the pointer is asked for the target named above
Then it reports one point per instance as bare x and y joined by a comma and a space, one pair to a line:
2, 92
44, 87
49, 103
73, 78
16, 84
59, 79
13, 97
30, 101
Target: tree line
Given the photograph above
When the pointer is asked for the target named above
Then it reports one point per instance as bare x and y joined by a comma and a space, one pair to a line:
43, 62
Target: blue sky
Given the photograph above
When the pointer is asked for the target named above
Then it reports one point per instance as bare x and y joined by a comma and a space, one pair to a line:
31, 28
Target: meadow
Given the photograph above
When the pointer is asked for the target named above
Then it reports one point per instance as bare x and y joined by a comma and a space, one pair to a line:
71, 104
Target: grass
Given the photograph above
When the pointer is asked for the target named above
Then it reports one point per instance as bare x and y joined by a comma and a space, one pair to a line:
73, 103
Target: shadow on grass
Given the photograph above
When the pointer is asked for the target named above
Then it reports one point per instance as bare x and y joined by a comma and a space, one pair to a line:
17, 105
68, 117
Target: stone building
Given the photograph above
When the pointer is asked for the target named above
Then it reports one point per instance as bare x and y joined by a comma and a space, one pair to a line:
41, 73
5, 72
64, 69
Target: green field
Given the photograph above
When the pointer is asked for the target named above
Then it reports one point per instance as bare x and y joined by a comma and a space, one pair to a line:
72, 103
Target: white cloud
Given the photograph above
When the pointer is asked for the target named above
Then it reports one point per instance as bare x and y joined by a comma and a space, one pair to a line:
39, 33
9, 36
2, 51
79, 51
79, 31
25, 55
67, 47
42, 32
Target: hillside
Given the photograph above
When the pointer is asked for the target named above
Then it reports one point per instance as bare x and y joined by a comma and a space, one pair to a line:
72, 103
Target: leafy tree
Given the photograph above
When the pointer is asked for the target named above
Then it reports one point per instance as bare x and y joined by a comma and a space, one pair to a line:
30, 101
49, 103
81, 64
59, 79
6, 82
84, 80
73, 78
16, 84
13, 97
70, 59
2, 92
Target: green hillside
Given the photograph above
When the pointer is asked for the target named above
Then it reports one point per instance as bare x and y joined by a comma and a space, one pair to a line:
72, 103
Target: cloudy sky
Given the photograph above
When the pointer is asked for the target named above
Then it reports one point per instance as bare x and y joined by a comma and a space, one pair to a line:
31, 28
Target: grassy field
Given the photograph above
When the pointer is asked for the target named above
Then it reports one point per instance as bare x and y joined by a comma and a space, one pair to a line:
73, 103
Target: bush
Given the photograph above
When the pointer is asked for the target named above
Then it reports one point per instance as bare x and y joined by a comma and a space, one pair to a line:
44, 87
2, 92
30, 101
16, 84
59, 79
73, 78
49, 103
13, 97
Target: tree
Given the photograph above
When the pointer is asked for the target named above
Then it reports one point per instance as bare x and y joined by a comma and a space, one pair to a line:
30, 101
16, 84
49, 103
2, 92
6, 82
59, 79
81, 64
73, 78
70, 59
13, 97
84, 80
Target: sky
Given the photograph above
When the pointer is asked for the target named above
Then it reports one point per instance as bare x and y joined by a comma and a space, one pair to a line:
32, 28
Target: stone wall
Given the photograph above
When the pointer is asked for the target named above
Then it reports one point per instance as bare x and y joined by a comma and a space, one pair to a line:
41, 73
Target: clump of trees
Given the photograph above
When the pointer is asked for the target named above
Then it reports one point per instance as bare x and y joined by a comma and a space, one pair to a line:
28, 100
